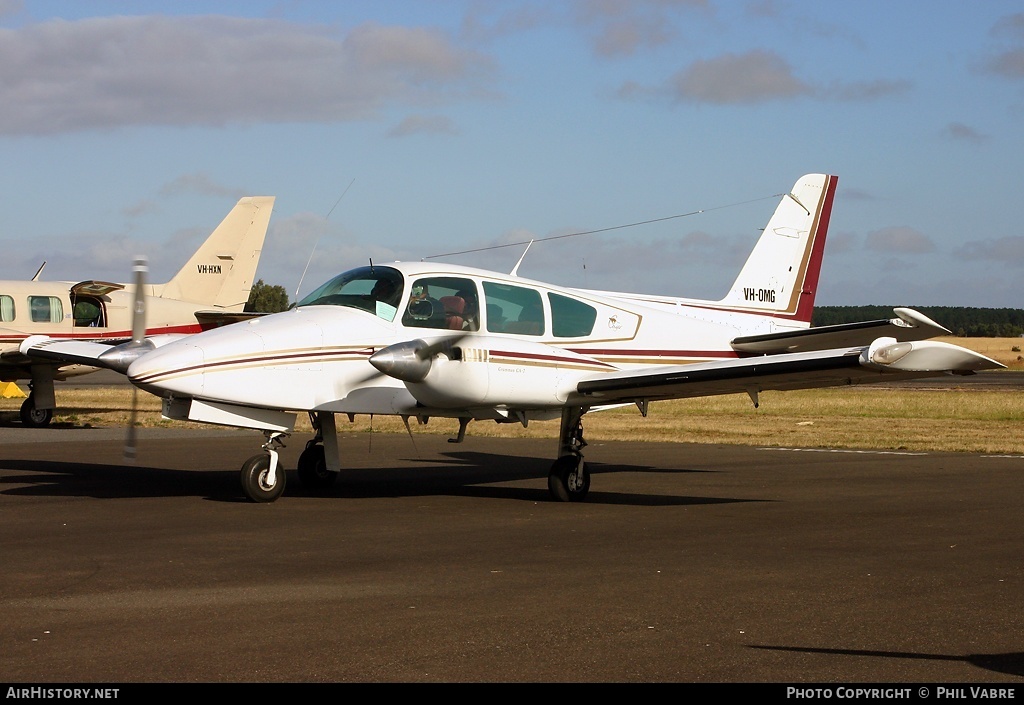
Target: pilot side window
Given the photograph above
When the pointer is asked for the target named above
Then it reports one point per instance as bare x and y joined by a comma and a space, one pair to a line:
442, 302
570, 318
45, 309
513, 309
6, 308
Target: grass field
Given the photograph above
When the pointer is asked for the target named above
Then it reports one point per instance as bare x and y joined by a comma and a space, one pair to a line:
892, 418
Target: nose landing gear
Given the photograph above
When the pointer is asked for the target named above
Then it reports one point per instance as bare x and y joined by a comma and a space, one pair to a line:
263, 476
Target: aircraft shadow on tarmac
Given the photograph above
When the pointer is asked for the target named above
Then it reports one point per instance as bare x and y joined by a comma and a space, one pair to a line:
1011, 663
12, 419
467, 474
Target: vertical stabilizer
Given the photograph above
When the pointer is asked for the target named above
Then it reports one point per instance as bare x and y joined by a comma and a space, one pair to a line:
221, 272
781, 275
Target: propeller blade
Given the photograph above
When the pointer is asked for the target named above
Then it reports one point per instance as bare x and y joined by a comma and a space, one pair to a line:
129, 441
140, 268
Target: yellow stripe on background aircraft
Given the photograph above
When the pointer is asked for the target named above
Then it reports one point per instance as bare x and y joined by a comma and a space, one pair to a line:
421, 340
211, 289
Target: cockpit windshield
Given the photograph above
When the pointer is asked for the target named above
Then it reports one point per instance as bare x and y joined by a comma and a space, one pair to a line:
377, 290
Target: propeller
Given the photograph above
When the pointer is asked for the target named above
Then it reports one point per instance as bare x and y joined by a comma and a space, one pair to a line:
140, 268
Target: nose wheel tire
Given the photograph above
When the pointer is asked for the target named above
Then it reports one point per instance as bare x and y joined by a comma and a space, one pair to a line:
312, 469
254, 476
569, 480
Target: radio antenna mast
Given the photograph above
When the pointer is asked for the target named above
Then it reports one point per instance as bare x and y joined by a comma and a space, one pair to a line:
313, 252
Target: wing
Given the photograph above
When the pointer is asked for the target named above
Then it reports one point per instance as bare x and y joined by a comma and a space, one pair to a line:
883, 360
82, 352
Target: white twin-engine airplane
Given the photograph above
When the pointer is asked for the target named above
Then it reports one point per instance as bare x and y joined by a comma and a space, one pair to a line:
417, 339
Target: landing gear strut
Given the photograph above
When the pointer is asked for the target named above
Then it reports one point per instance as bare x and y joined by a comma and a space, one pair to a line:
312, 464
263, 476
569, 477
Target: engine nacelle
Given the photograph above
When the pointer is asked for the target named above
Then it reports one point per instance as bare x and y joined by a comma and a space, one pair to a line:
924, 356
484, 371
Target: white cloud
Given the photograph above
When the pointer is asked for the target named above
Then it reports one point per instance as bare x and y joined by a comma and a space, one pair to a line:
416, 124
1007, 250
753, 77
900, 240
114, 71
624, 27
963, 133
10, 7
200, 183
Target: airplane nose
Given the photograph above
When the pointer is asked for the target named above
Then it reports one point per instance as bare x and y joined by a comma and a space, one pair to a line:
177, 368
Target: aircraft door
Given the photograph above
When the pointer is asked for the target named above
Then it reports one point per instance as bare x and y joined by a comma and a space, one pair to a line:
89, 312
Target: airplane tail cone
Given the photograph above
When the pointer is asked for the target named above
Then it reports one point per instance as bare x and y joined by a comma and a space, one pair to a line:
140, 268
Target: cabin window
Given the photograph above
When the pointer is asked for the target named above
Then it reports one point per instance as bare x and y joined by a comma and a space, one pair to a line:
570, 318
45, 309
442, 302
513, 309
6, 308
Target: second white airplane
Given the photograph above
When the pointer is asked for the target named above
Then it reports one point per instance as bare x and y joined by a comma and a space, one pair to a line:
210, 289
422, 340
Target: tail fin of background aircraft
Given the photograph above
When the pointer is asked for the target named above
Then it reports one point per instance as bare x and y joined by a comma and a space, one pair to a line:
781, 275
221, 272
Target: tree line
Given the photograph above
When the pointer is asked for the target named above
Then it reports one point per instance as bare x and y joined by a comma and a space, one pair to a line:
960, 320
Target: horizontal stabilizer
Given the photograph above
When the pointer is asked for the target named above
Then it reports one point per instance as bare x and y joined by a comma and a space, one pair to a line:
215, 319
908, 325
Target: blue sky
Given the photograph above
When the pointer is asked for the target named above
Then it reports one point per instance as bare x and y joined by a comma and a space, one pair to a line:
133, 127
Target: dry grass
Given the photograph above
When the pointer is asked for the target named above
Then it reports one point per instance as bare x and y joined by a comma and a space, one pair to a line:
892, 418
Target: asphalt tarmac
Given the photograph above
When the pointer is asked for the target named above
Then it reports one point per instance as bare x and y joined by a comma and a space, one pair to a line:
431, 562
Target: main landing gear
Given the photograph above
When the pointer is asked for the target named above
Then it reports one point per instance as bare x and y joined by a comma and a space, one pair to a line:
31, 416
569, 478
312, 464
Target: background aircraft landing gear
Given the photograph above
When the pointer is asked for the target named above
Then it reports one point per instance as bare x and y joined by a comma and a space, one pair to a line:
31, 416
569, 477
312, 468
263, 476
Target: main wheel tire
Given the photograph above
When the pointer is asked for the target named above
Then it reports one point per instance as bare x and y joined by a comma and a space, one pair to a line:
312, 469
565, 483
254, 479
31, 416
